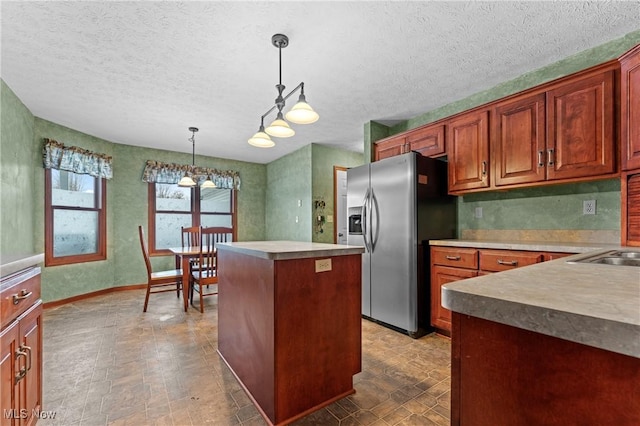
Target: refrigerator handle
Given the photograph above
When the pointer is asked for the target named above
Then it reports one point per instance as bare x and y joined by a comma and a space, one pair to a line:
364, 219
373, 204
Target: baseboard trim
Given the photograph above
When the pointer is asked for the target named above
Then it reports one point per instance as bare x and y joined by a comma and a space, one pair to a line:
101, 292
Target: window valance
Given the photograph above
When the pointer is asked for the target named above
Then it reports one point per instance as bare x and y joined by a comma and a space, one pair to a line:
76, 160
157, 172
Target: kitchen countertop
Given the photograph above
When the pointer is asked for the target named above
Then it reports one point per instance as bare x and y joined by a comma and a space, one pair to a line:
592, 304
12, 263
282, 250
558, 247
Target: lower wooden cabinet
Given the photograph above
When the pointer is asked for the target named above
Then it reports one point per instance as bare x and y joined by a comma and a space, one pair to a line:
630, 189
449, 264
21, 351
441, 275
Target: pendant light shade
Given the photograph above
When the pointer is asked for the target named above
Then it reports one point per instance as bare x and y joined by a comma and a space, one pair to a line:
187, 182
208, 184
302, 113
261, 139
280, 128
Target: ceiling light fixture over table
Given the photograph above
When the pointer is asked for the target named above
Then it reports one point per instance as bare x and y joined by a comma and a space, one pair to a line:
187, 181
301, 113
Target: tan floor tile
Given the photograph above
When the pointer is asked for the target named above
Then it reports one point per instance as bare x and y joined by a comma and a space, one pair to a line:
162, 368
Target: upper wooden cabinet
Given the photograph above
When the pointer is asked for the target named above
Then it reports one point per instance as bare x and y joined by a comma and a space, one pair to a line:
389, 148
519, 144
581, 127
427, 140
468, 151
630, 109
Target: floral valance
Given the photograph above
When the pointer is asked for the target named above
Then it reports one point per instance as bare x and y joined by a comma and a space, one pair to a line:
76, 160
155, 171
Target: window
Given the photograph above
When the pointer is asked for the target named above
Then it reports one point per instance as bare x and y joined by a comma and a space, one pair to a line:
171, 207
75, 220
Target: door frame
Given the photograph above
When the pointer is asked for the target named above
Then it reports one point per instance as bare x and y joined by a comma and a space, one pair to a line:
336, 169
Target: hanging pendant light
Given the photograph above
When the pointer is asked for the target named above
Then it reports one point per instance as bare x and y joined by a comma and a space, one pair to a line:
261, 139
208, 183
280, 128
301, 113
187, 181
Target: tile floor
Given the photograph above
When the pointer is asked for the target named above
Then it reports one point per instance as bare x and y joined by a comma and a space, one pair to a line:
108, 363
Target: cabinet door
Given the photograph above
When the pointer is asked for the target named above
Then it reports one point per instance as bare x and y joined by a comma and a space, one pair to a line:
441, 275
630, 209
9, 340
630, 109
468, 151
389, 148
519, 143
428, 141
30, 387
580, 128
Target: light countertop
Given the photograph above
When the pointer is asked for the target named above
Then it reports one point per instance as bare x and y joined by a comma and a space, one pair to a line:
281, 250
12, 263
559, 247
593, 304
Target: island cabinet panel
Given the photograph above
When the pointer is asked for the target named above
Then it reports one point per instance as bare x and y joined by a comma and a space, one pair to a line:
290, 332
581, 127
468, 151
630, 109
503, 375
519, 142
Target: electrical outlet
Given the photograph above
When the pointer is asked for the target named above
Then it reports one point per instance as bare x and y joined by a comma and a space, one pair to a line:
478, 212
323, 265
589, 207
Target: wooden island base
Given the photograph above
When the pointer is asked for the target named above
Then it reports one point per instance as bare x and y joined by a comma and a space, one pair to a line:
503, 375
290, 333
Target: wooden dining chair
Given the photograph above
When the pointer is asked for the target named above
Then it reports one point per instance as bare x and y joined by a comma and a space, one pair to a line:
190, 236
207, 275
158, 282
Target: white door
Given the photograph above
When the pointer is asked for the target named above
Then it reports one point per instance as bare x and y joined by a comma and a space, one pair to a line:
341, 206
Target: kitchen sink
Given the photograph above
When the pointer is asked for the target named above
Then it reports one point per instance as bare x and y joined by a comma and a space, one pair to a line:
612, 257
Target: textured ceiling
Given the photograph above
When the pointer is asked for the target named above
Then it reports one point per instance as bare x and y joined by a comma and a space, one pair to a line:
140, 73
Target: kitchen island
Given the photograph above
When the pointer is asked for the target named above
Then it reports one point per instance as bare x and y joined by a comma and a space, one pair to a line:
289, 324
552, 343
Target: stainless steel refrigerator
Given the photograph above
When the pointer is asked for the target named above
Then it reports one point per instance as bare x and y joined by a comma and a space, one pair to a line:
394, 207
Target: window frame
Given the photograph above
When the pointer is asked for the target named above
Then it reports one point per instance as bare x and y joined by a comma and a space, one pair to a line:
195, 216
100, 194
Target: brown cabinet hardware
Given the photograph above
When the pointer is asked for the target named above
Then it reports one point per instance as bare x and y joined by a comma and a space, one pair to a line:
453, 257
507, 262
24, 294
550, 157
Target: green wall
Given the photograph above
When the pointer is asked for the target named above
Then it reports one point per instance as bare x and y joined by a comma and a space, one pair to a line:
22, 200
289, 197
323, 159
574, 63
294, 183
556, 207
17, 156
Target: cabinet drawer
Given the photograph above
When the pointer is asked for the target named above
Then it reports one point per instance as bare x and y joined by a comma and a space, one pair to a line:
456, 257
18, 293
501, 260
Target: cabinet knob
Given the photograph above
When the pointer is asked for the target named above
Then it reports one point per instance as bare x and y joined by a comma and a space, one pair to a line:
540, 158
508, 262
550, 157
453, 257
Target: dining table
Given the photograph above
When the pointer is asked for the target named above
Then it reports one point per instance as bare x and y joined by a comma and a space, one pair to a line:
184, 255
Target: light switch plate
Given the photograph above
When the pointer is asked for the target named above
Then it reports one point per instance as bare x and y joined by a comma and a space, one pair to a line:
323, 265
